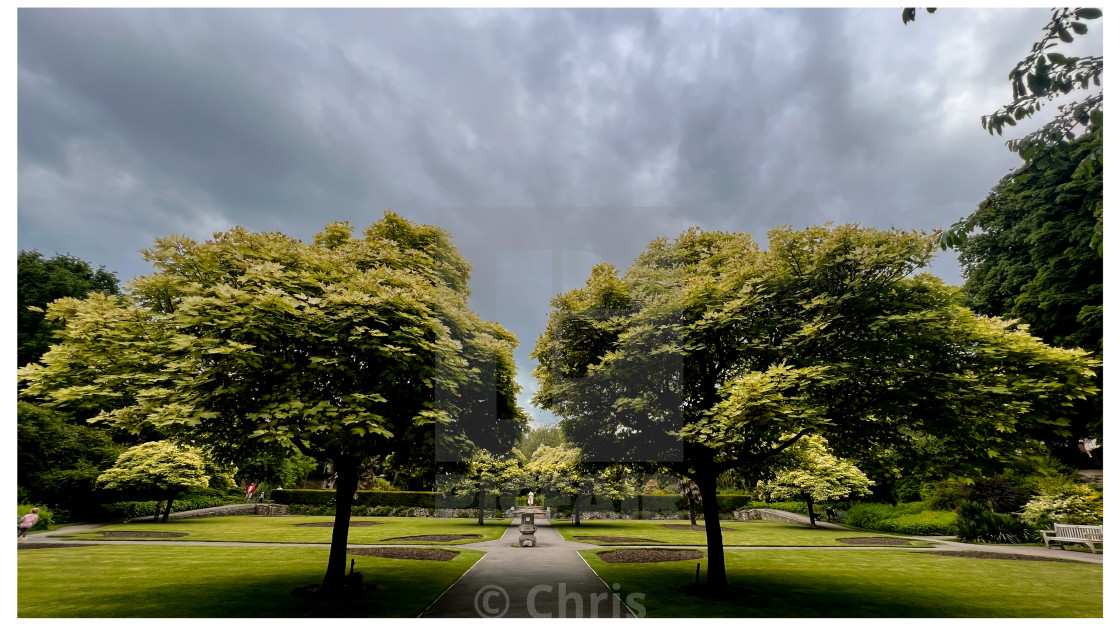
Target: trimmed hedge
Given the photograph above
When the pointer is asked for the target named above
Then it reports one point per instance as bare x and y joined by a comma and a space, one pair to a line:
366, 498
133, 509
638, 504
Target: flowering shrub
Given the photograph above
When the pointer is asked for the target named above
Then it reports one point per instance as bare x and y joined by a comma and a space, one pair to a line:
1073, 504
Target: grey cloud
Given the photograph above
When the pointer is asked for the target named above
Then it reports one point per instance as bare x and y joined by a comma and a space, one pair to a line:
577, 130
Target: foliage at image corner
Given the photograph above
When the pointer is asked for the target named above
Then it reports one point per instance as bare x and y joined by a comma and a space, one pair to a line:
1044, 75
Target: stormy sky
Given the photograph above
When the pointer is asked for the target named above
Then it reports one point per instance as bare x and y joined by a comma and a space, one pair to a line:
544, 141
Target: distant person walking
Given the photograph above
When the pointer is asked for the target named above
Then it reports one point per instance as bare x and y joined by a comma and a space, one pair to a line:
249, 492
28, 521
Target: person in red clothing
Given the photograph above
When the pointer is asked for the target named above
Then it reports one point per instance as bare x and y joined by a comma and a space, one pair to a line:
249, 492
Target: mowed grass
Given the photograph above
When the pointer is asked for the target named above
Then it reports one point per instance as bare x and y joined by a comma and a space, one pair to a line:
286, 529
745, 533
863, 583
166, 581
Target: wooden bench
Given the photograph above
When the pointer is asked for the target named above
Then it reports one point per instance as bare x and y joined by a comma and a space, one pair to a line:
1091, 535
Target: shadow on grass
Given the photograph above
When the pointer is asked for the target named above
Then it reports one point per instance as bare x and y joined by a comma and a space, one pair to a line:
220, 582
865, 584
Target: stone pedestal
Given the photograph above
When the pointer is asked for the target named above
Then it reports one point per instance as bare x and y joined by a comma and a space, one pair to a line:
528, 527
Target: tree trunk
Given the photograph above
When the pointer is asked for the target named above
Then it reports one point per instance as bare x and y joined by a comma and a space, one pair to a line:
481, 500
575, 509
345, 487
691, 509
717, 570
809, 502
167, 510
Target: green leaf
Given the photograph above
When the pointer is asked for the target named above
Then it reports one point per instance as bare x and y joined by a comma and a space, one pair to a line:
1088, 14
1079, 28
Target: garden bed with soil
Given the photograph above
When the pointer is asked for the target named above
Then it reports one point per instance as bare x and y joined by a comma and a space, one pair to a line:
331, 524
405, 553
438, 537
125, 534
881, 540
618, 539
697, 528
649, 555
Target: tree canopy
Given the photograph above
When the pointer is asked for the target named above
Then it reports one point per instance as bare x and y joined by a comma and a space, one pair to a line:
346, 348
40, 281
710, 354
1031, 258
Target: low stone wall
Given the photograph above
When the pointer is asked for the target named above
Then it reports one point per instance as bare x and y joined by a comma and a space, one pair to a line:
238, 509
591, 515
769, 515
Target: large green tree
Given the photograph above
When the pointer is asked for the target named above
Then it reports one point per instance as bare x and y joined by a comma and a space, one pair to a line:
347, 348
40, 281
1032, 259
710, 354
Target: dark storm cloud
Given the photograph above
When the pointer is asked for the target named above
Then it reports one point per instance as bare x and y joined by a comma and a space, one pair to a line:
587, 132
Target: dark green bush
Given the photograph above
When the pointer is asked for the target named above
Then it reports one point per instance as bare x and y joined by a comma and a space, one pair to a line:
662, 504
913, 519
976, 524
997, 495
729, 503
313, 510
945, 494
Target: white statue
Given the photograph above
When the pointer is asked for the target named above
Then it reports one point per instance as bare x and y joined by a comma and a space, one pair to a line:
530, 498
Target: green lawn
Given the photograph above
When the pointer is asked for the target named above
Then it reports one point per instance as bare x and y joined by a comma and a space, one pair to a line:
746, 533
166, 581
864, 583
286, 529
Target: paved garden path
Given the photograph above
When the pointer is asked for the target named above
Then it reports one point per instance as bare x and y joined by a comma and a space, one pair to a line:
556, 552
549, 580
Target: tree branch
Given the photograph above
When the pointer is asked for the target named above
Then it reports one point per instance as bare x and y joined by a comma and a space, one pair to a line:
306, 450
